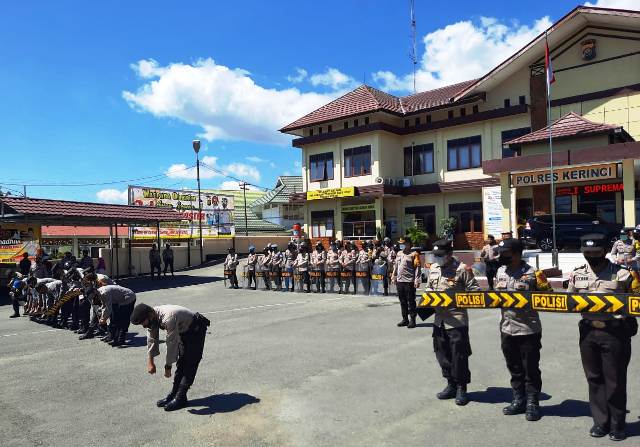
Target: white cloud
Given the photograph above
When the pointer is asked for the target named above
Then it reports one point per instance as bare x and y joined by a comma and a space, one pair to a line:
211, 169
225, 102
616, 4
297, 164
272, 164
113, 196
234, 186
300, 76
255, 159
333, 78
462, 51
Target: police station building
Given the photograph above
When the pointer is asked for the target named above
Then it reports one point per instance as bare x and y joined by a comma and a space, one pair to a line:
478, 151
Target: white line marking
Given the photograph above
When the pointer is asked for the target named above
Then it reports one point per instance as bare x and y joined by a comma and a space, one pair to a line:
31, 333
262, 306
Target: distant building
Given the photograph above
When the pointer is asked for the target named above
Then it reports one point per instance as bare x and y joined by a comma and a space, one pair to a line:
274, 206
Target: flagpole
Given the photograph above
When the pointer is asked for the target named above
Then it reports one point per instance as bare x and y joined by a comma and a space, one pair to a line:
554, 250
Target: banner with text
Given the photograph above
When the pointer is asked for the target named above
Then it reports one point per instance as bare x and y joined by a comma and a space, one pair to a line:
566, 175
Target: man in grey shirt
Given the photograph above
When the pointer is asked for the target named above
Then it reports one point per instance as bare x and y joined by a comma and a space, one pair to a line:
117, 305
186, 331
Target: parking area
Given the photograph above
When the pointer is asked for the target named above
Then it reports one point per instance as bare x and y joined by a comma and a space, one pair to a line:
286, 369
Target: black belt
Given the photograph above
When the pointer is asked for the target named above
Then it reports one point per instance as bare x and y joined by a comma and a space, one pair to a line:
603, 324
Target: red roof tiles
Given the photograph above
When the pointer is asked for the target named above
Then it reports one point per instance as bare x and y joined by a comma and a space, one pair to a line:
570, 125
366, 99
85, 212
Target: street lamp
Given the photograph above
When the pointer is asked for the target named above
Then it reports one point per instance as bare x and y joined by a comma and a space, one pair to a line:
196, 149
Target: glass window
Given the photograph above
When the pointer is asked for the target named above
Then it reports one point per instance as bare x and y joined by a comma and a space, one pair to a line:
322, 224
513, 151
424, 218
464, 153
359, 225
468, 216
418, 159
563, 204
357, 161
321, 167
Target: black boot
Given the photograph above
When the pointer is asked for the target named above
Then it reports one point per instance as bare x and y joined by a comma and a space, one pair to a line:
449, 392
87, 335
412, 322
169, 398
117, 338
179, 401
404, 322
533, 407
461, 395
517, 406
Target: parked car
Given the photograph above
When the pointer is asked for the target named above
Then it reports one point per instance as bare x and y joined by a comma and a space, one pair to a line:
570, 227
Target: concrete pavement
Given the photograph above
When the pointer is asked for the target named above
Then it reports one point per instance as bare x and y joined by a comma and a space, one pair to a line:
287, 369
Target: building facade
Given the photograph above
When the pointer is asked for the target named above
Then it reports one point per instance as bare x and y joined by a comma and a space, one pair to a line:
275, 207
375, 164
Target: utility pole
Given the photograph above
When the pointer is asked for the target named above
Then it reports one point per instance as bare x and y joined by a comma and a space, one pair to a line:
196, 149
414, 60
243, 187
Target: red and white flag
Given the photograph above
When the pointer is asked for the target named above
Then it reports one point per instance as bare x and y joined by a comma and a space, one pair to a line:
551, 78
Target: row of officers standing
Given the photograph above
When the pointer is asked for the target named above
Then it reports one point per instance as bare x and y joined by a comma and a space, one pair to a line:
604, 340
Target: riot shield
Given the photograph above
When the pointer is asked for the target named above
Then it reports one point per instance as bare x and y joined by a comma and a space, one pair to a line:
244, 277
347, 279
378, 276
362, 279
298, 279
333, 281
287, 279
276, 279
317, 280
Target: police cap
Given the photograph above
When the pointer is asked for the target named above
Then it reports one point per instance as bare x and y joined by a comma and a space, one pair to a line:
140, 313
593, 241
513, 245
442, 247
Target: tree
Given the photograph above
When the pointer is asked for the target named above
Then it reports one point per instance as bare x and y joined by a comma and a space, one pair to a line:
449, 228
417, 235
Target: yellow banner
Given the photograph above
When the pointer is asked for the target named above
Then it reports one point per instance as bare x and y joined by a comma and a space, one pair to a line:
331, 193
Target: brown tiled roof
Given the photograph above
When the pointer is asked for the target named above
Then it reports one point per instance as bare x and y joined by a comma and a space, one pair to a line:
433, 98
570, 125
83, 213
366, 99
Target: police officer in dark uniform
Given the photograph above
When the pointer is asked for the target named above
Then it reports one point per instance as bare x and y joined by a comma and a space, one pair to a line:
605, 339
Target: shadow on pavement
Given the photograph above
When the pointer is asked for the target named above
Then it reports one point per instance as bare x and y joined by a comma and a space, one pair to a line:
633, 429
497, 395
145, 284
570, 408
221, 403
136, 341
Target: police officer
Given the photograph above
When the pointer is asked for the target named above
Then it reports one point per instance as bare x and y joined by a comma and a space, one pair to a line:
406, 275
154, 260
117, 305
333, 267
230, 266
391, 259
90, 312
186, 331
605, 339
451, 326
318, 261
290, 256
363, 266
252, 260
302, 263
267, 259
277, 262
521, 330
623, 250
348, 267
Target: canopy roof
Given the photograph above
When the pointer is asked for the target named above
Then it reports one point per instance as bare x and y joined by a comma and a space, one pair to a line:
63, 212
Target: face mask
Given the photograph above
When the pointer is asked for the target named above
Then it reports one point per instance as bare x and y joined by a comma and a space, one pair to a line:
623, 237
402, 246
594, 260
439, 260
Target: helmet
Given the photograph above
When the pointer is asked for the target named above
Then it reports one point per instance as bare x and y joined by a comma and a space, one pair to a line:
386, 240
252, 249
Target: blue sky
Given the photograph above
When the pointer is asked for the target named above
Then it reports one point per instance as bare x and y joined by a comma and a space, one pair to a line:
99, 91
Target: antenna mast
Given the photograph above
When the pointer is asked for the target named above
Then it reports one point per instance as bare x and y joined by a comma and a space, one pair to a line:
414, 60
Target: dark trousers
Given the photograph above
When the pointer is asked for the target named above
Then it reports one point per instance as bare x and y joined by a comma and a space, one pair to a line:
267, 280
346, 281
452, 349
277, 279
84, 312
491, 270
320, 281
65, 312
385, 284
306, 280
75, 311
522, 354
15, 303
155, 267
193, 345
407, 297
251, 276
605, 357
233, 278
121, 316
168, 263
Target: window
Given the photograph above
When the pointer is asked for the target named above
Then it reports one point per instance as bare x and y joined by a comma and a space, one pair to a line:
366, 120
357, 161
475, 109
428, 119
418, 159
424, 218
330, 128
464, 153
321, 167
319, 130
417, 121
321, 223
346, 124
512, 151
406, 123
450, 114
292, 212
468, 216
507, 103
355, 123
522, 100
463, 111
360, 225
311, 132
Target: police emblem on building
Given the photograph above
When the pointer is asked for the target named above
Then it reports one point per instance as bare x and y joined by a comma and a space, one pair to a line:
589, 49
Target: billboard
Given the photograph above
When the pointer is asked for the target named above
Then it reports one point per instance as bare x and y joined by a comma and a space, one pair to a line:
217, 213
15, 239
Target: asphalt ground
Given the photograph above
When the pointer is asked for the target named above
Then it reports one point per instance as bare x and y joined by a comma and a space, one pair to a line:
287, 369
